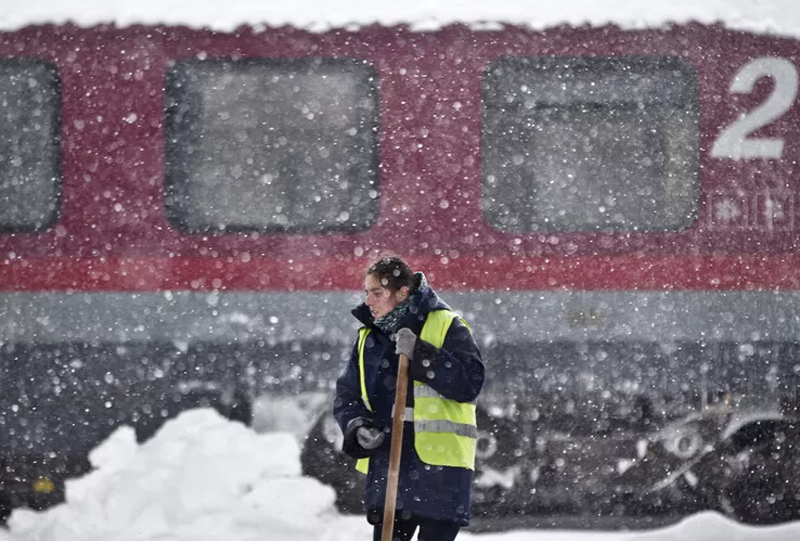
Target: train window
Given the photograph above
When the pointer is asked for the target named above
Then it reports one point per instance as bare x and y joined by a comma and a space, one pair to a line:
30, 145
272, 145
590, 144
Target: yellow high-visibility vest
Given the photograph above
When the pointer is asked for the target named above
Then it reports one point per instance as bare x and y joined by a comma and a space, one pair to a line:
445, 431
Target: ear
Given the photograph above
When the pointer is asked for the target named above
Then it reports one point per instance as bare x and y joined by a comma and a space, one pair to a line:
402, 294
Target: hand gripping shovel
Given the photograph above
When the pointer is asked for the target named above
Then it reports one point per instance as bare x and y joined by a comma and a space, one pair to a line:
396, 449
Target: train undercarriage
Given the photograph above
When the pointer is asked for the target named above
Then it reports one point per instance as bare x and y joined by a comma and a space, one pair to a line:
742, 465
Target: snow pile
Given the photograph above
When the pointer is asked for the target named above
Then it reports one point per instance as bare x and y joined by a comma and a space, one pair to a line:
710, 526
201, 477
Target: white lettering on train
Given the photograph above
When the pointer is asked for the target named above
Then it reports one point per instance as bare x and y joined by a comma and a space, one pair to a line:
734, 141
761, 211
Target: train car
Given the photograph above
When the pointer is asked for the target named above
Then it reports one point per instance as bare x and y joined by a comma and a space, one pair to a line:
186, 215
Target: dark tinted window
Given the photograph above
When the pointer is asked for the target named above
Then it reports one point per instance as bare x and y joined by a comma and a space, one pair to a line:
272, 145
584, 144
30, 148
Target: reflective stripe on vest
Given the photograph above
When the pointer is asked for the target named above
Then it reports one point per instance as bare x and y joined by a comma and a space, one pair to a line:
445, 431
362, 464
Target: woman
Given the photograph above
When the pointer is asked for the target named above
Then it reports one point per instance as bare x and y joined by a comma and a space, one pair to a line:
403, 315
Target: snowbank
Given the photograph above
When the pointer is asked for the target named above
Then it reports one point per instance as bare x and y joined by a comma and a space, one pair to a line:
201, 477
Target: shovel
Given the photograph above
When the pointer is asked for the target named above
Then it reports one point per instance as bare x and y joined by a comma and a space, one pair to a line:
394, 453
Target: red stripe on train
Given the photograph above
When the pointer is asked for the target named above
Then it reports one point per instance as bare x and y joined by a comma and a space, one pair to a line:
520, 274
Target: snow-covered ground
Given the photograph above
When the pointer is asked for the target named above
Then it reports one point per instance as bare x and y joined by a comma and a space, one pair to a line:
204, 478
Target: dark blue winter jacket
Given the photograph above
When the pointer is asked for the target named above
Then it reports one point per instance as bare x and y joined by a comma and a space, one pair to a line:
437, 492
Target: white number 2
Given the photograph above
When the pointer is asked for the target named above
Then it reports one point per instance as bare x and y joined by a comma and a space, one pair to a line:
734, 142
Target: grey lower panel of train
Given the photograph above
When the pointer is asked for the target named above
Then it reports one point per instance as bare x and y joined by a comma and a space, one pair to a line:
497, 316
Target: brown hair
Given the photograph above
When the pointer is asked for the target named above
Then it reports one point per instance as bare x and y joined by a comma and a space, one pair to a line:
392, 273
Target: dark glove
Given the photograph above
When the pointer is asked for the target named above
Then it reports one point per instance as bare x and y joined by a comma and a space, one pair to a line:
353, 445
405, 341
370, 437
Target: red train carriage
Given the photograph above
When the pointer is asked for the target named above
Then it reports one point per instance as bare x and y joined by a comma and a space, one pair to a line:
186, 214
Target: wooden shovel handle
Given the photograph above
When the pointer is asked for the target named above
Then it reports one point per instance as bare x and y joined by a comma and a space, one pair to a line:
397, 446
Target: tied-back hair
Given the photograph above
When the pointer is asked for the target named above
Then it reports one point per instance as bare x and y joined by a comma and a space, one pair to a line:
392, 272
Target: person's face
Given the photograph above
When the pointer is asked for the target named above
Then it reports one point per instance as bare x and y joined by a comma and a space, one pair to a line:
380, 299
